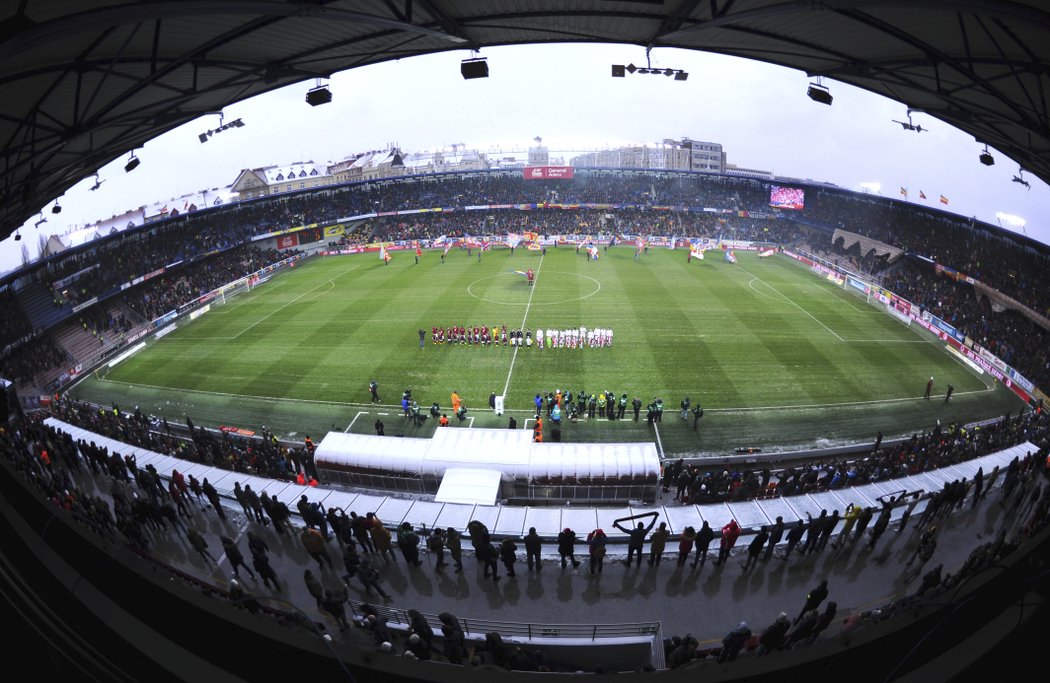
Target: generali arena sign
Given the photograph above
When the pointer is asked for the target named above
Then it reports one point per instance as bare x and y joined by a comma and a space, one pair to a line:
547, 172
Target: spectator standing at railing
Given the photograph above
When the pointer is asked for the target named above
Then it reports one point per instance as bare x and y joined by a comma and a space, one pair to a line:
776, 533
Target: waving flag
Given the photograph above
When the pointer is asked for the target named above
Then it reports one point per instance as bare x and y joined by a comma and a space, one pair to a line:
385, 257
766, 253
922, 195
904, 191
730, 256
521, 273
513, 239
944, 200
593, 251
447, 247
673, 243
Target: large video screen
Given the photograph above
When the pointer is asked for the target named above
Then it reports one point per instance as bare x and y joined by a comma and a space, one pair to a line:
787, 197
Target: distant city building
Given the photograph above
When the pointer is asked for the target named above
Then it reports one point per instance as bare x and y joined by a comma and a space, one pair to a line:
672, 155
539, 155
733, 169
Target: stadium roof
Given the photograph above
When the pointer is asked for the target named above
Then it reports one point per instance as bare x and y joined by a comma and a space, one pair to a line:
82, 82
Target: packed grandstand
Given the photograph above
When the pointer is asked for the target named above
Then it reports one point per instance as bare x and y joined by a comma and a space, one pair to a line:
80, 305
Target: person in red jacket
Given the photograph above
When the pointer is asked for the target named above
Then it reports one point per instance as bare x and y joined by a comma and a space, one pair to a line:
730, 533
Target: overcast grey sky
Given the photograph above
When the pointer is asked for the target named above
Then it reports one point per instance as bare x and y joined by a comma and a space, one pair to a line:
563, 93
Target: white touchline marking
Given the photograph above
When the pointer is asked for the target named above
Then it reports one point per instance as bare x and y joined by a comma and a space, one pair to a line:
837, 405
659, 445
359, 414
514, 357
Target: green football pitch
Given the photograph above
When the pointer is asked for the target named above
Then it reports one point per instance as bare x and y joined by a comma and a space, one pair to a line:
778, 358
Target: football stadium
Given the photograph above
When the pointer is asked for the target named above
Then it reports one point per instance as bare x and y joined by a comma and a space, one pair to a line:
465, 389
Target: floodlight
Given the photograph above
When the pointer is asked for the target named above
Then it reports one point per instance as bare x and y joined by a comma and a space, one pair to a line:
132, 164
681, 76
619, 71
319, 95
474, 68
56, 208
18, 236
203, 137
819, 93
986, 158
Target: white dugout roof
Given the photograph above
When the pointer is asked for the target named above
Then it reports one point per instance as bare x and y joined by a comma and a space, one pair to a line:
509, 451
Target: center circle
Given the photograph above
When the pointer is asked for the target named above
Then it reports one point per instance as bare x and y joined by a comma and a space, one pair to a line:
511, 289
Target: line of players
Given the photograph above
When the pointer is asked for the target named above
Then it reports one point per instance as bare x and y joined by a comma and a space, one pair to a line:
483, 335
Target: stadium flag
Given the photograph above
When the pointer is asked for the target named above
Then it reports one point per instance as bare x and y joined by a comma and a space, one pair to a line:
447, 247
766, 253
904, 191
521, 273
944, 200
696, 251
674, 241
730, 256
593, 251
513, 239
419, 252
385, 257
612, 241
922, 195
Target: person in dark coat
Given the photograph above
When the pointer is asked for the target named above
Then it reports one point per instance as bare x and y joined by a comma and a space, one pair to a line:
436, 547
824, 620
636, 539
508, 553
816, 526
754, 548
703, 542
314, 587
814, 598
234, 555
333, 603
454, 543
199, 544
419, 625
454, 640
213, 497
261, 562
733, 642
802, 629
567, 547
533, 547
488, 556
776, 533
775, 635
657, 544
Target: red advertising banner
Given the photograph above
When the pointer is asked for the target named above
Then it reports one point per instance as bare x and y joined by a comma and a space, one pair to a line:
287, 241
547, 172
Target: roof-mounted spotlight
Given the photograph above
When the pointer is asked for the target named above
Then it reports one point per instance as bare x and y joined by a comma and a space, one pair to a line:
474, 68
18, 236
986, 158
40, 222
818, 92
318, 95
56, 208
133, 163
620, 71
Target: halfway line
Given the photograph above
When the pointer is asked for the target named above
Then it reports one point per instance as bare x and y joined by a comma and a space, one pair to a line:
522, 327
